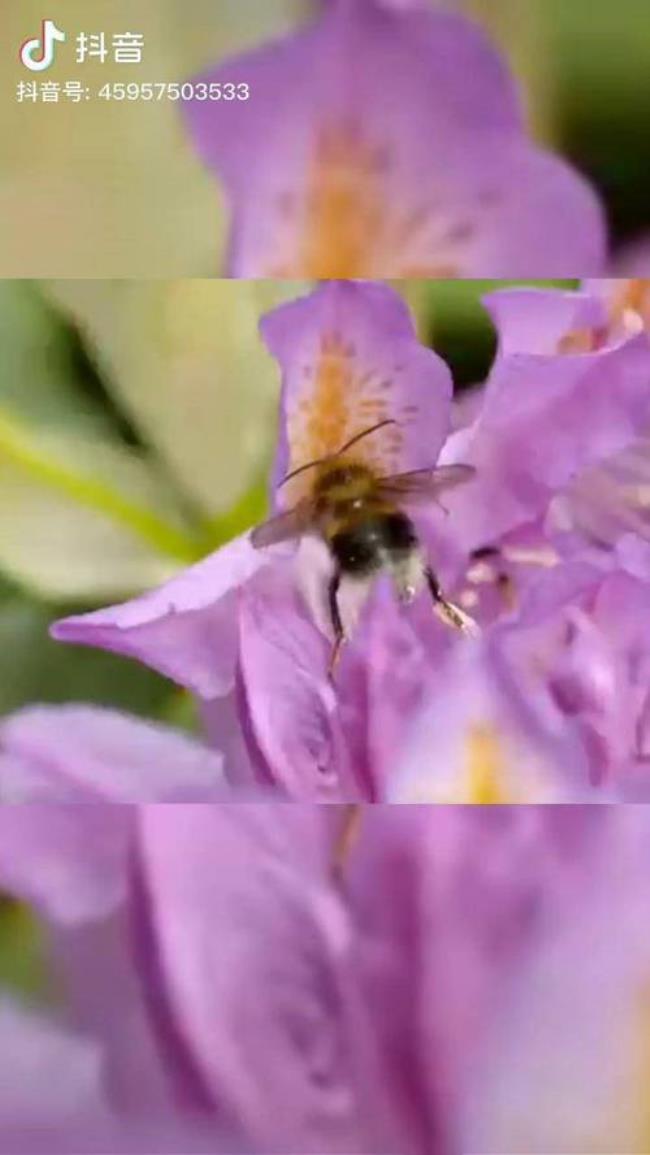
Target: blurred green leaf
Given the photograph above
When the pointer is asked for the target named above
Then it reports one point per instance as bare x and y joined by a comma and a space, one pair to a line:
37, 371
185, 361
598, 58
252, 507
600, 50
65, 534
22, 960
82, 514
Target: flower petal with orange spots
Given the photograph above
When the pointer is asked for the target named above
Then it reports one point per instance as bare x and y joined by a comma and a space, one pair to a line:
350, 359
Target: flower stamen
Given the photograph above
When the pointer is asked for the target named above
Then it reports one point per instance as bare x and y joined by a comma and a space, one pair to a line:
484, 767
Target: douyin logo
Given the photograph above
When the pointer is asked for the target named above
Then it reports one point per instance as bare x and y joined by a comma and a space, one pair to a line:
38, 53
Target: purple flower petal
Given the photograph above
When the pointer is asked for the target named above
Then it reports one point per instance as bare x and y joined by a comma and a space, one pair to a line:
405, 155
47, 1075
566, 1058
350, 358
291, 704
71, 863
222, 724
583, 633
503, 208
546, 415
385, 672
97, 979
54, 1099
267, 1027
187, 628
626, 300
451, 899
538, 321
87, 754
490, 735
394, 984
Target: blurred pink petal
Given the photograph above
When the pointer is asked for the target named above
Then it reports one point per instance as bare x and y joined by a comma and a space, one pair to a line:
89, 754
70, 862
566, 1066
404, 156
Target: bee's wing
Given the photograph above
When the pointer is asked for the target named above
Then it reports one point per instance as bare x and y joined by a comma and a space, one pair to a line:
290, 523
423, 485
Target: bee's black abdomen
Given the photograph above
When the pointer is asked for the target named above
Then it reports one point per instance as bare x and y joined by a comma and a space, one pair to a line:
398, 534
364, 548
356, 550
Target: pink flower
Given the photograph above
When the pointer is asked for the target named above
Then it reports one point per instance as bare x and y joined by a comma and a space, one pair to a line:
379, 142
567, 1068
555, 504
558, 401
310, 983
246, 621
88, 754
54, 1099
626, 299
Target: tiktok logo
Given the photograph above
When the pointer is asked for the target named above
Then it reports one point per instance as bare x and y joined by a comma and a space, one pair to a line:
38, 54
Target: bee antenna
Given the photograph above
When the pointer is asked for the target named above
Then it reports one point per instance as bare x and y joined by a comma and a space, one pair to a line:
301, 469
365, 433
348, 445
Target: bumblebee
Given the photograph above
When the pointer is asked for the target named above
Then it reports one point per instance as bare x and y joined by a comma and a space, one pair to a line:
358, 514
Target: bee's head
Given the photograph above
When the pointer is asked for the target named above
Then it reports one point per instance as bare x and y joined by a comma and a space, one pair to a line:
339, 476
345, 473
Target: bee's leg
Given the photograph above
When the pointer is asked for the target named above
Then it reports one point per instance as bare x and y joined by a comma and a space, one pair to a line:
337, 624
448, 611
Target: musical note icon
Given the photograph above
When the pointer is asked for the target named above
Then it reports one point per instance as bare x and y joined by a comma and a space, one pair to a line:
37, 54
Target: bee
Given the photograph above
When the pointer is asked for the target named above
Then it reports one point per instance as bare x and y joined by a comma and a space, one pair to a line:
360, 516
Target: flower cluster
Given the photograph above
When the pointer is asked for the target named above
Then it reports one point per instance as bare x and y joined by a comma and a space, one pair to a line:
385, 140
543, 550
261, 978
